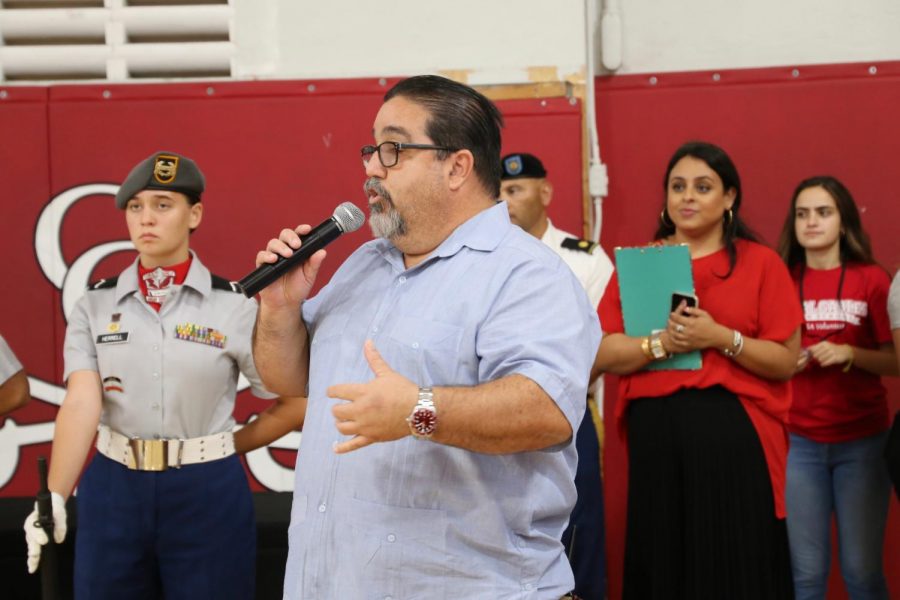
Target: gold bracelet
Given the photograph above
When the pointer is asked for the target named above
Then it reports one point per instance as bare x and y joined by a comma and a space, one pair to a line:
849, 362
645, 348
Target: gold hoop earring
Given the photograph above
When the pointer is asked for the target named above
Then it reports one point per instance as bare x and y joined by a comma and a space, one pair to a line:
729, 218
662, 219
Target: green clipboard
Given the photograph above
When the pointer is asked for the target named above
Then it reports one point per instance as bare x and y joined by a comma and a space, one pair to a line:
647, 277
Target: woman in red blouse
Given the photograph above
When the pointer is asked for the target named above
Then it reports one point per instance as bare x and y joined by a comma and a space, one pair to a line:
839, 416
707, 448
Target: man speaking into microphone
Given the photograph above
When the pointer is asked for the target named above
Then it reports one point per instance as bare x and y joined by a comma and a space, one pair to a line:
446, 365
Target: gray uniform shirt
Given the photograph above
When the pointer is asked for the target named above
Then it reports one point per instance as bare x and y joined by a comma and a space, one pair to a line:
171, 374
9, 364
894, 302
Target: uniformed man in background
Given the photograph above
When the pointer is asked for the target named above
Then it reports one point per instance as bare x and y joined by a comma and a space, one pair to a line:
527, 193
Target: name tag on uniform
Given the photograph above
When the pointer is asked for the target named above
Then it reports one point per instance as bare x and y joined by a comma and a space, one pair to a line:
113, 338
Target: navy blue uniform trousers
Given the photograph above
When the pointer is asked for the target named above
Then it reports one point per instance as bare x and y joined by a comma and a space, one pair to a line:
179, 533
584, 538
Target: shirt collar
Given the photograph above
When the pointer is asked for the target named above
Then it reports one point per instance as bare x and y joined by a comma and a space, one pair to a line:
198, 278
481, 232
550, 234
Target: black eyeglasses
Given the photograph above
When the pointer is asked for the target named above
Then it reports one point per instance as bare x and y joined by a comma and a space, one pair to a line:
389, 152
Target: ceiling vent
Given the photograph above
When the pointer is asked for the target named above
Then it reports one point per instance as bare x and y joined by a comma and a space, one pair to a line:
115, 40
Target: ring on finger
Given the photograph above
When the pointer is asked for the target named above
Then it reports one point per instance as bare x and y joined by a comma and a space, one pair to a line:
679, 328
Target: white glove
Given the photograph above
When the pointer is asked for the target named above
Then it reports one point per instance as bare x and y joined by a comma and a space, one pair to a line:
35, 536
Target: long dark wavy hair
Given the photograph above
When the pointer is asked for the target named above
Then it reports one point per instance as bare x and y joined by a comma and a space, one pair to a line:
733, 227
855, 246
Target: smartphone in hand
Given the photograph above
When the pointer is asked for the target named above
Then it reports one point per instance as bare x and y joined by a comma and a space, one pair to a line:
688, 299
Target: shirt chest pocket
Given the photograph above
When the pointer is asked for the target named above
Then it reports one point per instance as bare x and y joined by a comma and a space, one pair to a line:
117, 353
428, 352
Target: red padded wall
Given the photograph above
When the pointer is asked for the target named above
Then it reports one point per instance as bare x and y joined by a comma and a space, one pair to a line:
275, 154
780, 126
278, 153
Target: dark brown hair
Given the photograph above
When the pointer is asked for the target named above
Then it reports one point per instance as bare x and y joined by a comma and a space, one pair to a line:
855, 246
733, 227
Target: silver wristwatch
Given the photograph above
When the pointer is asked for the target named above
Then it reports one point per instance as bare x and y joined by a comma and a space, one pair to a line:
423, 418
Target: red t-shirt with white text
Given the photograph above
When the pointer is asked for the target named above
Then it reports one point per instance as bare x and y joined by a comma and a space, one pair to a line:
832, 406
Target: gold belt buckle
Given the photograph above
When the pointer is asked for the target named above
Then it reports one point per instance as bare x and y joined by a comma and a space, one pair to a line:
149, 455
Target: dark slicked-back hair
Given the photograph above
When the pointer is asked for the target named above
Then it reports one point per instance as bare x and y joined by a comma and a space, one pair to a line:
459, 118
733, 227
855, 246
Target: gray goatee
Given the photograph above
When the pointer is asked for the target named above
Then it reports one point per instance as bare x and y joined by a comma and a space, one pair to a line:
384, 219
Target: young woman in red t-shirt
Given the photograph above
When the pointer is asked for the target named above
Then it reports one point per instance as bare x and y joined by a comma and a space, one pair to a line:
707, 448
839, 416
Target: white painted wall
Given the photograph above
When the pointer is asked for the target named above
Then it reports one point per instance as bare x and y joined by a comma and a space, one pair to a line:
403, 37
501, 41
495, 39
687, 35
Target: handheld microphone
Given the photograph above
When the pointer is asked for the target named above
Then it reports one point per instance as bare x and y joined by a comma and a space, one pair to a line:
346, 217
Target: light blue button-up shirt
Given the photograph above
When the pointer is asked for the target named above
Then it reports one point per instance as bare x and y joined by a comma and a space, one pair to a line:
417, 519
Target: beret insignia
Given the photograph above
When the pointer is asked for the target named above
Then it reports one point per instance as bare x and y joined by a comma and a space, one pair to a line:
165, 169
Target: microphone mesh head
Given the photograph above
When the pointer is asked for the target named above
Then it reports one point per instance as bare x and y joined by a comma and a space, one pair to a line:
348, 217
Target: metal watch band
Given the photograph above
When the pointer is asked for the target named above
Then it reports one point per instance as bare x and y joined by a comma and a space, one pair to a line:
656, 346
423, 419
426, 398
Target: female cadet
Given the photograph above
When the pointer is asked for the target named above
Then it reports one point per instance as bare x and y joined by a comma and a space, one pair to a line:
153, 357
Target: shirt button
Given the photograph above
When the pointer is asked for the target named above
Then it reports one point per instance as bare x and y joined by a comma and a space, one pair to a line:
391, 537
155, 347
402, 279
374, 330
322, 507
156, 376
528, 587
415, 344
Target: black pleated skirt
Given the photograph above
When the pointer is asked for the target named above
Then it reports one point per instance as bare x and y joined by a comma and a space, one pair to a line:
701, 515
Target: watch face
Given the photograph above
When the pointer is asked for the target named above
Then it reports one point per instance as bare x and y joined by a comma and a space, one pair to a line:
656, 347
424, 421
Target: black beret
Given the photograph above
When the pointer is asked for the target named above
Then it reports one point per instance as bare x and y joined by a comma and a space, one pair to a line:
162, 171
521, 165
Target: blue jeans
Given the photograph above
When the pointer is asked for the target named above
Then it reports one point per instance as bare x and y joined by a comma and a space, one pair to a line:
849, 479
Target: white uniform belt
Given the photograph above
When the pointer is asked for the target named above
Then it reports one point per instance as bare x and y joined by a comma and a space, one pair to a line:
159, 455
